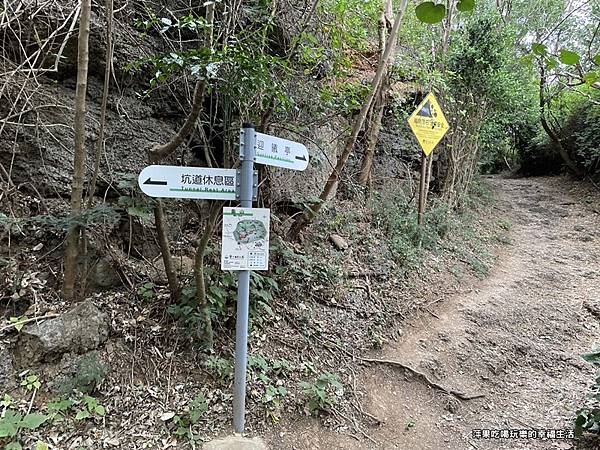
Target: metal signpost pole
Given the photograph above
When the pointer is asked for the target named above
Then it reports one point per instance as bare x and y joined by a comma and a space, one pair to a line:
247, 154
422, 189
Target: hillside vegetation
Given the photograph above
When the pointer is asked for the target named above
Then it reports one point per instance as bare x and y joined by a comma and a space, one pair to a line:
116, 314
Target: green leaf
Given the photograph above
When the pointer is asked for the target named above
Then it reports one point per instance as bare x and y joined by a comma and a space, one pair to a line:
593, 357
429, 12
267, 308
579, 423
591, 77
568, 57
100, 410
33, 421
596, 60
465, 5
140, 211
82, 414
9, 424
552, 63
41, 446
18, 322
527, 60
60, 405
539, 49
15, 445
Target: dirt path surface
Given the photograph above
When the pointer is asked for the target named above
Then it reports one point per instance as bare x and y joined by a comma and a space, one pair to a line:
516, 338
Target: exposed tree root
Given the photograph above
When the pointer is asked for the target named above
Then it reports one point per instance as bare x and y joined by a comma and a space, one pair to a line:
425, 378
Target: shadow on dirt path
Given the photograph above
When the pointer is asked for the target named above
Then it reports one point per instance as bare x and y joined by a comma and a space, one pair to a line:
516, 338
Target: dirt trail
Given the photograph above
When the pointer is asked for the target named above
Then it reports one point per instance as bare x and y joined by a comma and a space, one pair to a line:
516, 338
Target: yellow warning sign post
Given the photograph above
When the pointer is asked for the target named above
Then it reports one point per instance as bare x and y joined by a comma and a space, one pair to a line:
429, 126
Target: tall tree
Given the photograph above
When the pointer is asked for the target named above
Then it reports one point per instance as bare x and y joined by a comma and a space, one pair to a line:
70, 274
304, 219
374, 128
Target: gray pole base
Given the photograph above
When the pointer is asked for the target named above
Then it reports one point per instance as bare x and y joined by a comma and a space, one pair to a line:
235, 443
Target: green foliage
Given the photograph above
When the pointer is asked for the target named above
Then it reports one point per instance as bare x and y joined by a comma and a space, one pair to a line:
183, 422
89, 371
58, 408
308, 269
406, 239
430, 12
132, 202
347, 98
465, 5
7, 401
271, 392
322, 394
88, 219
84, 407
239, 69
31, 382
494, 96
273, 399
222, 368
581, 129
146, 291
350, 26
12, 423
576, 117
90, 408
221, 295
588, 417
568, 57
18, 322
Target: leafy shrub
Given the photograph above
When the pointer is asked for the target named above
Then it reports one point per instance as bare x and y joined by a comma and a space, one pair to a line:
406, 239
12, 422
88, 372
322, 394
588, 417
88, 219
222, 368
183, 422
90, 408
85, 407
577, 122
581, 133
221, 295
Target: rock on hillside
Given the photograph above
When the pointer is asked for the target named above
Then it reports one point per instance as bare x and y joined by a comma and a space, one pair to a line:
79, 330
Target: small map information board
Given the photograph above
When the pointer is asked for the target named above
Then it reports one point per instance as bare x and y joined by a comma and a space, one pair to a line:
245, 239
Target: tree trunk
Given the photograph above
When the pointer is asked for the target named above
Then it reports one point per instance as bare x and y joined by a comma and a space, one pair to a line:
372, 139
205, 331
304, 219
379, 102
107, 74
163, 242
159, 152
79, 151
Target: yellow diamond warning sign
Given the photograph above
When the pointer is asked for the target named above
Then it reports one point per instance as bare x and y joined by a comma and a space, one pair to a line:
429, 124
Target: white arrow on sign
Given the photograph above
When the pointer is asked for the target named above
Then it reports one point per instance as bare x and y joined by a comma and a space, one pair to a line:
188, 182
274, 151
